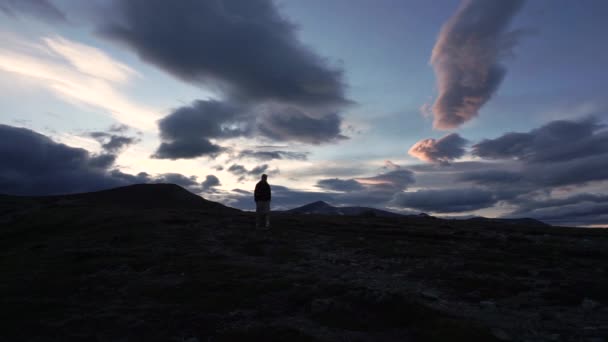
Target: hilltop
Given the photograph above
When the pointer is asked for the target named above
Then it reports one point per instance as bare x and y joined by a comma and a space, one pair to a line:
156, 263
324, 208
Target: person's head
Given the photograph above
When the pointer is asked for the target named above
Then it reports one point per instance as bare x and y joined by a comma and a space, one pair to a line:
264, 177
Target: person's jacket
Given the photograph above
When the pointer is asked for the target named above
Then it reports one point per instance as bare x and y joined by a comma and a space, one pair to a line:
262, 191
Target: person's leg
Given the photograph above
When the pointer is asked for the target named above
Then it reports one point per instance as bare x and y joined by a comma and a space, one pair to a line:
267, 212
258, 214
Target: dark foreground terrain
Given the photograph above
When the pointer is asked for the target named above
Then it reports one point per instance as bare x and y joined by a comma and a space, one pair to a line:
154, 263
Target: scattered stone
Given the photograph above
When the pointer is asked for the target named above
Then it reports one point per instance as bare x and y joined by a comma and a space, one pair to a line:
501, 334
589, 304
430, 294
488, 305
321, 305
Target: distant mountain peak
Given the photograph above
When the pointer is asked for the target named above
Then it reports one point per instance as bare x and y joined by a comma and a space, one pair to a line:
324, 208
320, 204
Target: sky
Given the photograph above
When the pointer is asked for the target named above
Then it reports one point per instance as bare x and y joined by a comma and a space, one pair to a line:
491, 108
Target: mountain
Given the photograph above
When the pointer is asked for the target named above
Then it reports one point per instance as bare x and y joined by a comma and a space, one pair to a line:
530, 222
324, 208
144, 196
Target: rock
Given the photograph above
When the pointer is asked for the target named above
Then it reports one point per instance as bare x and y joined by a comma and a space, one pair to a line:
430, 294
589, 304
501, 334
488, 305
321, 305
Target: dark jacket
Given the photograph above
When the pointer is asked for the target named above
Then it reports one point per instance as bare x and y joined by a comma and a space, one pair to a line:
262, 191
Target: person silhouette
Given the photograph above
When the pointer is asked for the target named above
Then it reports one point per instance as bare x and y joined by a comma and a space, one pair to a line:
262, 196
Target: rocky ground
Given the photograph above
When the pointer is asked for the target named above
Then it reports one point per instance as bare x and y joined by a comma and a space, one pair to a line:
77, 269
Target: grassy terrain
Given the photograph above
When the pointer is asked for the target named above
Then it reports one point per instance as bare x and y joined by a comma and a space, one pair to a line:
81, 270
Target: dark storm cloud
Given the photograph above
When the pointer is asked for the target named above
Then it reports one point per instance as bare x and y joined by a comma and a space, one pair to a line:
560, 140
467, 57
336, 184
245, 48
187, 131
446, 200
294, 124
270, 155
31, 163
186, 149
210, 182
271, 84
36, 8
441, 151
102, 161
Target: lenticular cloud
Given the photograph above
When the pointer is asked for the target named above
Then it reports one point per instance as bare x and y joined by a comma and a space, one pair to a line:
441, 151
467, 56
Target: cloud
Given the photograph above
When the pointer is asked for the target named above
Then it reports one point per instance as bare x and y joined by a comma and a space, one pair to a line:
441, 151
275, 154
35, 8
559, 140
397, 179
342, 185
258, 170
243, 172
446, 200
176, 178
113, 143
295, 124
33, 164
570, 172
210, 182
77, 73
492, 177
187, 131
237, 169
375, 191
244, 48
389, 165
272, 85
467, 56
186, 149
580, 209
